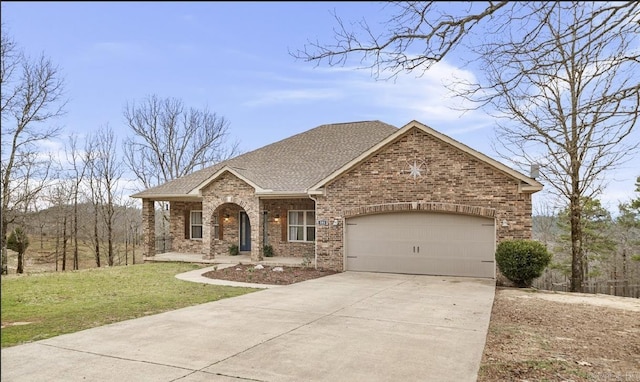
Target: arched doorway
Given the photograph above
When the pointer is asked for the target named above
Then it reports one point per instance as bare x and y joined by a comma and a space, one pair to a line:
231, 228
244, 232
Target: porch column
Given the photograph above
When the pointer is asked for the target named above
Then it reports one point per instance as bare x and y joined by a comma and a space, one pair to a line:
148, 227
209, 208
257, 220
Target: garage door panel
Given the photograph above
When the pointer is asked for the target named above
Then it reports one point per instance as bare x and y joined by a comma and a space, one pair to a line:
441, 266
421, 243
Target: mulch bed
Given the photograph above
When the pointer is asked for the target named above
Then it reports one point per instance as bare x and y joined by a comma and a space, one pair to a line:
248, 274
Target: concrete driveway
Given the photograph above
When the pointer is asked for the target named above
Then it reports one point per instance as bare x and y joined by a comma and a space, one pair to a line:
345, 327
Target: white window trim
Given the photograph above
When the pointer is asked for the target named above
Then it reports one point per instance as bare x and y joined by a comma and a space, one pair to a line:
304, 225
191, 225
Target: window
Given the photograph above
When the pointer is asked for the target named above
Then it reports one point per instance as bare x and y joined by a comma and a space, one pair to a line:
302, 225
196, 224
216, 227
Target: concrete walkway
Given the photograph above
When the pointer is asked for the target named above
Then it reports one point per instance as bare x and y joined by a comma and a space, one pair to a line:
224, 259
345, 327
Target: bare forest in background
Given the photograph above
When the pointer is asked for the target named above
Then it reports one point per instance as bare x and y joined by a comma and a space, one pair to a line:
69, 191
573, 121
52, 246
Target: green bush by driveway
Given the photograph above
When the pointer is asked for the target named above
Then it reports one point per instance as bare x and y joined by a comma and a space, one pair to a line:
521, 261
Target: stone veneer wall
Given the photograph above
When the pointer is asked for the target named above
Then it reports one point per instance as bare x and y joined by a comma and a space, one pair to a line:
228, 188
179, 216
148, 227
447, 175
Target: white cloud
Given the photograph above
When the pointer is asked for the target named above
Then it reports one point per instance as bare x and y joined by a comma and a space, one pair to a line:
294, 96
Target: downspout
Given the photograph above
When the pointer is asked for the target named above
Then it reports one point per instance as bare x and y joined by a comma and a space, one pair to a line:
315, 245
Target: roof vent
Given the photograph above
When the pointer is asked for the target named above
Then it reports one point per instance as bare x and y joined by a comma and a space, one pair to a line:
535, 170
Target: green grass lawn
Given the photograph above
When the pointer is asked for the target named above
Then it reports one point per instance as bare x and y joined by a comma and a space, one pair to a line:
44, 305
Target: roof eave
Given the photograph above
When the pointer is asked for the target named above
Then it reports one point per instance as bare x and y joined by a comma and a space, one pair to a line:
270, 194
167, 197
198, 189
529, 189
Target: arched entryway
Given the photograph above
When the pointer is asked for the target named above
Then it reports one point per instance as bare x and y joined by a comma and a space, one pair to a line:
231, 230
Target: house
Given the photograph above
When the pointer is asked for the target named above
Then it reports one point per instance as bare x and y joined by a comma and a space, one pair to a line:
361, 196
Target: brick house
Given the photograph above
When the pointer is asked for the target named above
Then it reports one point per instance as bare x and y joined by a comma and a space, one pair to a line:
362, 196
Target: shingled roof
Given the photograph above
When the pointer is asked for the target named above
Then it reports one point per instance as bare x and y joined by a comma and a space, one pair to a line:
291, 165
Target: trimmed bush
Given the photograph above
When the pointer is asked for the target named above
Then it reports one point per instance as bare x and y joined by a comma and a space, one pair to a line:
521, 261
268, 251
234, 250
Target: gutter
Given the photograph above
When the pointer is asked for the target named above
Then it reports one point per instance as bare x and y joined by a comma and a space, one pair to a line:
315, 244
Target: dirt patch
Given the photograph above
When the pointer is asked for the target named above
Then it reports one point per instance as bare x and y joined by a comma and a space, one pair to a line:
249, 274
546, 336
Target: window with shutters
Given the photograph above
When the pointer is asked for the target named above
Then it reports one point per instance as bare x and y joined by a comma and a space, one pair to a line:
196, 224
302, 225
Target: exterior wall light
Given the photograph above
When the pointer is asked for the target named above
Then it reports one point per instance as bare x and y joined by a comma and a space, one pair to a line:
276, 218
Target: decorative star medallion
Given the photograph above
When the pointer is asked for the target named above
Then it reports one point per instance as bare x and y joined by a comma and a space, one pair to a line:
416, 169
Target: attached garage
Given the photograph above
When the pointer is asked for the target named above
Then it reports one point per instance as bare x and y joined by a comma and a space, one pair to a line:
421, 243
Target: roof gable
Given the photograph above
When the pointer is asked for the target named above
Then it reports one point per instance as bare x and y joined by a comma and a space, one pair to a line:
527, 184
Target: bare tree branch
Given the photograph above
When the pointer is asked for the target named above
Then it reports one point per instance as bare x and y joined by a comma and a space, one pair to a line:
171, 141
32, 96
416, 37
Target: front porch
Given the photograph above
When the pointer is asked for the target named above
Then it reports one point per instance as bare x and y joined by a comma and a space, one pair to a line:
222, 259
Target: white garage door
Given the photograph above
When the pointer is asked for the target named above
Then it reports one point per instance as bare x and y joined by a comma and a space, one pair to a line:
421, 243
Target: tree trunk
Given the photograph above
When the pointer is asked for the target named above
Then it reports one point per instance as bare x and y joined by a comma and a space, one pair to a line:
41, 236
64, 243
577, 276
57, 243
20, 267
625, 281
96, 236
110, 231
5, 268
76, 264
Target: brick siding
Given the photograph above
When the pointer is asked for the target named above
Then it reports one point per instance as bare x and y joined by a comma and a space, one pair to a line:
448, 177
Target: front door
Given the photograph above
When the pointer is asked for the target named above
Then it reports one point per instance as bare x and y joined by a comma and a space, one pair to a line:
245, 232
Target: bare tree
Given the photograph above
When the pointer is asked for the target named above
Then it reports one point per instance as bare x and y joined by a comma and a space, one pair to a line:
32, 96
94, 192
106, 171
563, 75
171, 140
58, 195
567, 100
77, 172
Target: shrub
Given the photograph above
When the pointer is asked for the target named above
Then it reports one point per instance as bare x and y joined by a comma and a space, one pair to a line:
521, 261
268, 251
18, 241
234, 250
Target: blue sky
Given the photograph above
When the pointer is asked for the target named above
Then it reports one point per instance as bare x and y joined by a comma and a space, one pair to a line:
233, 58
